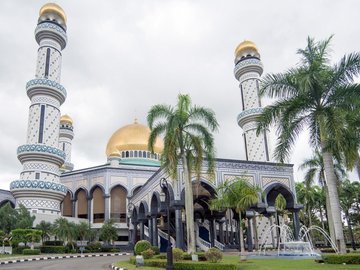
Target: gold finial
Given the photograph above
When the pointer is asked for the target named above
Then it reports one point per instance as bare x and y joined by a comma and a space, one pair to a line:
65, 119
53, 8
245, 46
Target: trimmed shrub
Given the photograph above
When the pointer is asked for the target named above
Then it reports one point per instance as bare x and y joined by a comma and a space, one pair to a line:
327, 250
18, 250
147, 254
141, 246
160, 257
342, 258
177, 254
53, 243
28, 251
52, 249
213, 255
156, 250
94, 247
190, 265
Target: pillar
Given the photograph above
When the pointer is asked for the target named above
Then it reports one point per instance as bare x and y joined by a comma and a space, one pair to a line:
107, 207
150, 230
155, 230
134, 233
221, 231
296, 225
249, 236
179, 229
89, 206
73, 207
142, 236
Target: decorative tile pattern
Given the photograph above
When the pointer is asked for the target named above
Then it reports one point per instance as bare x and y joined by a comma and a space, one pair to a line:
55, 65
52, 124
48, 83
40, 148
232, 177
45, 100
51, 27
37, 184
268, 180
248, 112
40, 203
251, 99
33, 124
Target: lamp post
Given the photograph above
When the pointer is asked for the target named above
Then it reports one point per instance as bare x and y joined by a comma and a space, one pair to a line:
165, 188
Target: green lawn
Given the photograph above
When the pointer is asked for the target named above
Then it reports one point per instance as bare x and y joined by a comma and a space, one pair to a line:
263, 264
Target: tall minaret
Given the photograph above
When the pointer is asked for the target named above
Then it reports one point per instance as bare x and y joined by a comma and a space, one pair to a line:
65, 140
248, 69
39, 188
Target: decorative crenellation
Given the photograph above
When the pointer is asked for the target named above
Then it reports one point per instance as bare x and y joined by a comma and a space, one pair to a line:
38, 184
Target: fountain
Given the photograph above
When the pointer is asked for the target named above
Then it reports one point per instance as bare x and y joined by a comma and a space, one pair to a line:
287, 246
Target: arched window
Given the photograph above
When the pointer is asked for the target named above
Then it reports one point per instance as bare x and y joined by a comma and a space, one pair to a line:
144, 154
122, 154
98, 205
118, 204
127, 153
131, 153
82, 204
148, 154
67, 206
135, 153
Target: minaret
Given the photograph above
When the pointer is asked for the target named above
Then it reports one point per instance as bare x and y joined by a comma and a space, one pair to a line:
65, 139
248, 69
39, 188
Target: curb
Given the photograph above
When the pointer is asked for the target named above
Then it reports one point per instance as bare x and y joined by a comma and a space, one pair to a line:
117, 268
65, 257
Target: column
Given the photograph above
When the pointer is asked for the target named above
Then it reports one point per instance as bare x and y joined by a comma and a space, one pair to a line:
89, 205
249, 236
134, 234
150, 230
221, 231
179, 228
212, 232
107, 207
296, 225
155, 230
227, 234
73, 208
142, 236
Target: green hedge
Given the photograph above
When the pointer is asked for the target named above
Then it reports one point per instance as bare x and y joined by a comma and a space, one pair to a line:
342, 258
29, 251
52, 249
188, 265
53, 243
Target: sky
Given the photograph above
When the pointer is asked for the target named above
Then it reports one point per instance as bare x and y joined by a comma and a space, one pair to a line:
122, 57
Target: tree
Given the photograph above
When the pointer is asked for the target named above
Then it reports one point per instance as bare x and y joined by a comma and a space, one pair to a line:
347, 200
238, 195
46, 229
83, 230
318, 96
108, 231
188, 140
315, 169
26, 236
8, 218
24, 220
65, 230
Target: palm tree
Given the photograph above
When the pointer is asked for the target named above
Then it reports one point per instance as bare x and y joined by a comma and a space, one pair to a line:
316, 170
65, 230
188, 140
347, 200
46, 229
84, 231
318, 96
239, 195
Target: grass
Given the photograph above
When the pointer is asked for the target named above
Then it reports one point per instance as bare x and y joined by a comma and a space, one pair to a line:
263, 264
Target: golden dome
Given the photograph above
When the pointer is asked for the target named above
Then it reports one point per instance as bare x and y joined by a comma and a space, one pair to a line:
132, 137
244, 46
65, 119
53, 8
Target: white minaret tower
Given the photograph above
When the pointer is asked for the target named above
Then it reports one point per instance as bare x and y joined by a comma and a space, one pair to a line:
39, 188
248, 69
65, 139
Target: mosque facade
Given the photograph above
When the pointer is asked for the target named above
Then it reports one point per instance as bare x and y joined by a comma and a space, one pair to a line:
126, 188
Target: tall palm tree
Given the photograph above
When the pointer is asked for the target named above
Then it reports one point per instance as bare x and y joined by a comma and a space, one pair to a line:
65, 230
315, 169
188, 139
239, 195
318, 96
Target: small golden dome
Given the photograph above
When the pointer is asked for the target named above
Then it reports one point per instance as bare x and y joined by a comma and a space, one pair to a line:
244, 46
65, 119
53, 8
132, 137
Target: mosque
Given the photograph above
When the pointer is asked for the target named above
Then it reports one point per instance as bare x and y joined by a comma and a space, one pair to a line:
126, 188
